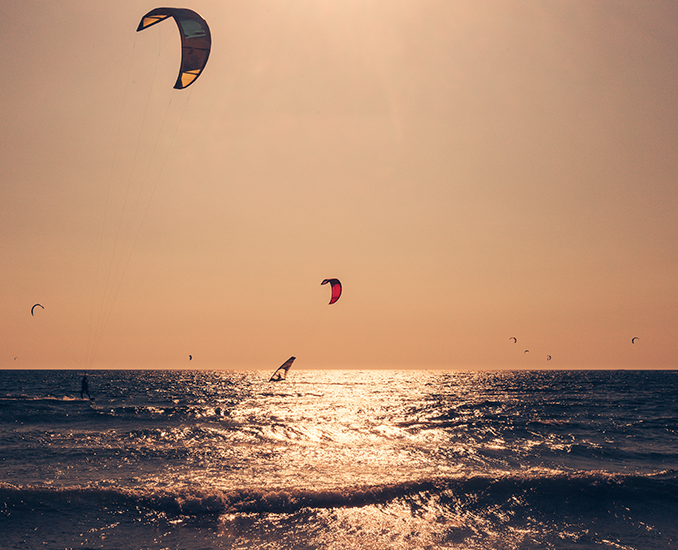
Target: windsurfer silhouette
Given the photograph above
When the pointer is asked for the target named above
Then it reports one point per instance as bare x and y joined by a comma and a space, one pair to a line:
84, 388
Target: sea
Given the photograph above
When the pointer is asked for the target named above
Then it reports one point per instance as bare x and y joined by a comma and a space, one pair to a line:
340, 460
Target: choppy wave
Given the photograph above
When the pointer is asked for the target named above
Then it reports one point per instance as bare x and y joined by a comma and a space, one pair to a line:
473, 492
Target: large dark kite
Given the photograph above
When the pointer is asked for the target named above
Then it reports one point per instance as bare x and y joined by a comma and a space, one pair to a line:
196, 40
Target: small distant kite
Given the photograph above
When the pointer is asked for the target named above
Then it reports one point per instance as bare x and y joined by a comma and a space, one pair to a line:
548, 357
190, 357
527, 351
515, 340
336, 289
633, 340
36, 305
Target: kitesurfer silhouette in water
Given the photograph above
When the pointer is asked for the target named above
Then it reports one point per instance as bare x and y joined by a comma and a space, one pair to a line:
84, 388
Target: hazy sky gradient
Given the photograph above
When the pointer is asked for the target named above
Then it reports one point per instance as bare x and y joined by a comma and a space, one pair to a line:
470, 171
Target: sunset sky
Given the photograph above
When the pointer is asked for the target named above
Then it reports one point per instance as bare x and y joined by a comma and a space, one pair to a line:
471, 171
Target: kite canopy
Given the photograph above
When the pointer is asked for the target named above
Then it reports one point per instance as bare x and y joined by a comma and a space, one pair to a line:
196, 40
336, 289
281, 372
36, 305
633, 340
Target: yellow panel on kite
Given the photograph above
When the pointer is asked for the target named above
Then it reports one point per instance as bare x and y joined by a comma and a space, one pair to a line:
188, 77
148, 21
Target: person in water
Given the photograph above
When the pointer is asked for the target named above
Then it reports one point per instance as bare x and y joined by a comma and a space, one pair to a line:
84, 388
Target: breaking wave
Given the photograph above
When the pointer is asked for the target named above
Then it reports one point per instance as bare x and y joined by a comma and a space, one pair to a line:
478, 491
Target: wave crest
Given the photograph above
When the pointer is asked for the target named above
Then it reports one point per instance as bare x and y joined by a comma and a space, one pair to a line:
473, 491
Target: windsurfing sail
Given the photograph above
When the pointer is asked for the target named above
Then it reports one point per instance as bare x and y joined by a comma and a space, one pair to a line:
281, 371
36, 305
336, 289
196, 41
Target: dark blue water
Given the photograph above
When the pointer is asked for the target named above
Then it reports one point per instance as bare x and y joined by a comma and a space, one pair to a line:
339, 459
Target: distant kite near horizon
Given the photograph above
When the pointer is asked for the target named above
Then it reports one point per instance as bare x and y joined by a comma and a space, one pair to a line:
196, 41
633, 340
527, 351
336, 289
515, 340
190, 357
548, 357
36, 305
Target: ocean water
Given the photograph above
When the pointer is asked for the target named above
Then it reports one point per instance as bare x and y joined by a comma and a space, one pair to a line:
339, 460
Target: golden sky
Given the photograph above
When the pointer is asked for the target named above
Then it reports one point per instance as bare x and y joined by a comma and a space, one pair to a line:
471, 171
